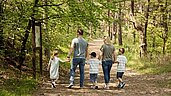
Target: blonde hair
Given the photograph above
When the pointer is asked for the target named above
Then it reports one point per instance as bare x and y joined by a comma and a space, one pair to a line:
55, 52
107, 40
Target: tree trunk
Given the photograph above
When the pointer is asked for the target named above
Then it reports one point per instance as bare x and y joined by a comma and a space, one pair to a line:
165, 25
132, 10
109, 27
109, 24
1, 26
143, 31
153, 33
33, 48
144, 34
47, 49
24, 41
120, 25
114, 29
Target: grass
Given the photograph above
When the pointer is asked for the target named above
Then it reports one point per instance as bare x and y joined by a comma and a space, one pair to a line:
13, 83
154, 65
17, 87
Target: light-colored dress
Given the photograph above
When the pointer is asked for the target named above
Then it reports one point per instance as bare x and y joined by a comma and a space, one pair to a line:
54, 67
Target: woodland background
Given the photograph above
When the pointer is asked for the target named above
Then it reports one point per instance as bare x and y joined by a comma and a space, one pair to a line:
140, 26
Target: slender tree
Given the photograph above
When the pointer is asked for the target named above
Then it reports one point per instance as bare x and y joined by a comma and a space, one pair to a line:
120, 25
114, 27
1, 26
165, 25
45, 15
142, 28
109, 27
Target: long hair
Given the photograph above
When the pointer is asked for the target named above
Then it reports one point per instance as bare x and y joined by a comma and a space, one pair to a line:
107, 40
55, 53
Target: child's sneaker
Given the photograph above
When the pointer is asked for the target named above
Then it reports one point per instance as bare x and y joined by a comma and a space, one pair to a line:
92, 87
119, 85
53, 85
106, 87
122, 84
70, 85
96, 87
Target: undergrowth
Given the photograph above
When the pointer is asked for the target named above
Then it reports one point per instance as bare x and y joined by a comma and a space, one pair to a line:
151, 65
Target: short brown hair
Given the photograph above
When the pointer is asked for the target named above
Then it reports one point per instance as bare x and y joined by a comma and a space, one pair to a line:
122, 50
80, 31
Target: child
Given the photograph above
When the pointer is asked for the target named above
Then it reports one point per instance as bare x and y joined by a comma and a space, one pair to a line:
121, 60
94, 68
54, 66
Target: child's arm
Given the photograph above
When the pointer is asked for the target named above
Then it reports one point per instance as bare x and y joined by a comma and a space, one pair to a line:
49, 64
64, 60
100, 62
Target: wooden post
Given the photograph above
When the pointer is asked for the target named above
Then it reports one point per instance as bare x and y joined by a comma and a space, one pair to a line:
38, 40
33, 48
40, 48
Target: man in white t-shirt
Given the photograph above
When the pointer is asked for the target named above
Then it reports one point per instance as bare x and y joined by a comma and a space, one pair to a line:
121, 67
79, 47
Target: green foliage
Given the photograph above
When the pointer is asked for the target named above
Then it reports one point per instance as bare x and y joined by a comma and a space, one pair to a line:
64, 20
151, 64
17, 87
16, 15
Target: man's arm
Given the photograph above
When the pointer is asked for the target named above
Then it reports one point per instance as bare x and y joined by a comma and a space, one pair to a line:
70, 52
87, 51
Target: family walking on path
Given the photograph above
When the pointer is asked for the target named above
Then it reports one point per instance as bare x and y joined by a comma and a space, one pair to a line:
137, 84
79, 52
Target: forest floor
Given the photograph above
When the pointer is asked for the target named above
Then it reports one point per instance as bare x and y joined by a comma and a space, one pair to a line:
136, 84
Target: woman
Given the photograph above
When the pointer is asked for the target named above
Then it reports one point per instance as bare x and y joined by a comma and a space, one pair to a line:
108, 57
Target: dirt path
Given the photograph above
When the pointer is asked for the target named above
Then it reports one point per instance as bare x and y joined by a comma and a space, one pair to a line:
136, 84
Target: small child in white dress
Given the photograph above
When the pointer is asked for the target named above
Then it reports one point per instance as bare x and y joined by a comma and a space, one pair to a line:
53, 68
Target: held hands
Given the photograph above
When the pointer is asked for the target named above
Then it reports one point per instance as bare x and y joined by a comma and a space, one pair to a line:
115, 62
68, 59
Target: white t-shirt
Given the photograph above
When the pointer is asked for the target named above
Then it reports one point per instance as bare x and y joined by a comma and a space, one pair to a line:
121, 67
94, 65
80, 46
